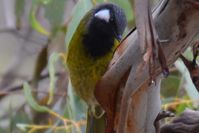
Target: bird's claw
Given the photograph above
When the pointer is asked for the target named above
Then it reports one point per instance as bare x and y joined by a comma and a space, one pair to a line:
163, 114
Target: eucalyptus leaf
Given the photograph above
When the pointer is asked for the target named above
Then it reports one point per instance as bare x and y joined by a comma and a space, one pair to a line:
70, 105
75, 107
80, 9
51, 68
31, 101
181, 107
18, 118
22, 127
34, 22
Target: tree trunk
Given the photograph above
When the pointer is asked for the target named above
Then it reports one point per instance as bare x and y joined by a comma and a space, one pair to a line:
128, 82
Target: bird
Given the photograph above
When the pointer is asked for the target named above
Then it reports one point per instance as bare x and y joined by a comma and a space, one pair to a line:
92, 47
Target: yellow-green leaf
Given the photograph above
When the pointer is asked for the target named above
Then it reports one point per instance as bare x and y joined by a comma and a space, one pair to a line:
81, 8
34, 23
51, 68
31, 101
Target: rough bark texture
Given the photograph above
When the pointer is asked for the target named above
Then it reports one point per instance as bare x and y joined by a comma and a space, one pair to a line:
177, 22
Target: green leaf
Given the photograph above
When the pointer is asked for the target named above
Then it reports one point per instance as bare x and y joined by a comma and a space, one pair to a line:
31, 101
81, 8
51, 68
180, 108
54, 12
75, 108
34, 23
22, 127
70, 105
70, 110
20, 117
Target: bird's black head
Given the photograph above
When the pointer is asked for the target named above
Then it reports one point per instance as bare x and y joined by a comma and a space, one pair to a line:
107, 23
113, 16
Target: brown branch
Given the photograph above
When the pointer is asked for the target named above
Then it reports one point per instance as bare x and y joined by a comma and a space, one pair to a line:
187, 122
178, 22
58, 94
19, 87
19, 34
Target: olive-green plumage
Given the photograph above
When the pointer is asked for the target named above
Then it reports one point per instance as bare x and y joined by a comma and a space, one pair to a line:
85, 63
84, 71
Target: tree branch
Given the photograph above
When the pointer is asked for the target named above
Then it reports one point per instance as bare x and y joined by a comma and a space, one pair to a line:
187, 122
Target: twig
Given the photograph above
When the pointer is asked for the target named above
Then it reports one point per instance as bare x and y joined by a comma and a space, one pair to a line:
187, 122
17, 33
19, 87
3, 93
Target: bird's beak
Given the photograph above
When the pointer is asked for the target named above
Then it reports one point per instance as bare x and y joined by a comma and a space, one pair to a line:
118, 37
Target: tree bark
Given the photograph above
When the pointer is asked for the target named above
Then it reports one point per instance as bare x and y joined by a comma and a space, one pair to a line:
127, 79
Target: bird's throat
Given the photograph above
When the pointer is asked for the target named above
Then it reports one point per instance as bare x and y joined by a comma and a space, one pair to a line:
99, 40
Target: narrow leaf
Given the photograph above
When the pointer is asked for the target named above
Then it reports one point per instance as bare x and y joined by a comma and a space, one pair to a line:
81, 8
34, 22
22, 127
31, 101
51, 68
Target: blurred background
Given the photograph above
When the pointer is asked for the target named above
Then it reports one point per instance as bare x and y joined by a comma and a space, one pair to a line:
33, 34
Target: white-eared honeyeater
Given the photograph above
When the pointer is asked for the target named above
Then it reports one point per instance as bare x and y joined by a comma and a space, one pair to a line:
92, 47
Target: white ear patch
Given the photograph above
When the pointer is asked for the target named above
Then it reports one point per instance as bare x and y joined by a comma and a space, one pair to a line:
103, 14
